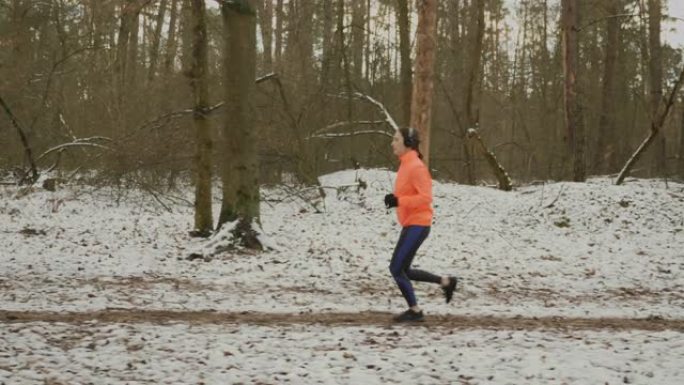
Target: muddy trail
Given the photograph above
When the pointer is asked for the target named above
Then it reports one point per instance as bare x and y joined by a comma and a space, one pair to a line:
161, 317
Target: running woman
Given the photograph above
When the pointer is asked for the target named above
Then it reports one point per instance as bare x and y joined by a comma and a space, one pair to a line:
413, 198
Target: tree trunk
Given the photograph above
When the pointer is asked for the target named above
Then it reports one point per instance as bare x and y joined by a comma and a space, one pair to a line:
655, 70
280, 18
606, 148
357, 41
328, 44
156, 38
426, 47
573, 111
171, 42
122, 46
240, 168
199, 71
405, 58
266, 24
132, 66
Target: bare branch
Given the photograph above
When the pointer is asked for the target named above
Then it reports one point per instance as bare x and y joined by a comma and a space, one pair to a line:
347, 134
64, 146
388, 118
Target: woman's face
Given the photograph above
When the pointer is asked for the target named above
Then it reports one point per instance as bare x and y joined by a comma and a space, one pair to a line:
398, 144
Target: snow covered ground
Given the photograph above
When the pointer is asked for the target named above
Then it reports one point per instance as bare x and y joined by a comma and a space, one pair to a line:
567, 250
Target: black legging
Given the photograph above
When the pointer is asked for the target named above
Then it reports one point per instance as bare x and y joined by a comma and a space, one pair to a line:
409, 241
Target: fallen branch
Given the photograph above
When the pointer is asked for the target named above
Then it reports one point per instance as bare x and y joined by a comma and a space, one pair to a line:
656, 125
500, 173
24, 140
82, 142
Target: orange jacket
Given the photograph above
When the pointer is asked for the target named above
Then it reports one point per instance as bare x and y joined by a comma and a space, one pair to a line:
413, 190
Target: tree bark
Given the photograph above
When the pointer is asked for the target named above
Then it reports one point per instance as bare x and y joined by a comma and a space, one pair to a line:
132, 66
156, 38
426, 47
655, 70
405, 58
606, 149
357, 41
199, 82
280, 18
474, 70
573, 110
266, 23
240, 168
328, 51
171, 42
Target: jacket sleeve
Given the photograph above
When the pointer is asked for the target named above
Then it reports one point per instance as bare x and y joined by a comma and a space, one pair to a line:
422, 183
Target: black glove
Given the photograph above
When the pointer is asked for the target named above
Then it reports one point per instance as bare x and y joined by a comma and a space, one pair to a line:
391, 201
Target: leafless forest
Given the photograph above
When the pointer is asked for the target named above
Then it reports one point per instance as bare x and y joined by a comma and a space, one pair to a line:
148, 89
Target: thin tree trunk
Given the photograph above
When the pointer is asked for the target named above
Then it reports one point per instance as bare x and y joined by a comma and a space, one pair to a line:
426, 47
655, 69
132, 66
357, 41
200, 89
573, 112
328, 44
122, 46
171, 43
474, 70
265, 13
405, 58
156, 38
280, 18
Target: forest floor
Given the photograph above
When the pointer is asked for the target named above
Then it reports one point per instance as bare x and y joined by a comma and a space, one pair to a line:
563, 283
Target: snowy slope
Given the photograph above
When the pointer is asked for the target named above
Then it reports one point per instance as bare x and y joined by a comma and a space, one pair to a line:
562, 249
558, 249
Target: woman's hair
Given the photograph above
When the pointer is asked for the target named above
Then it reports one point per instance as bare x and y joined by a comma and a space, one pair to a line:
411, 139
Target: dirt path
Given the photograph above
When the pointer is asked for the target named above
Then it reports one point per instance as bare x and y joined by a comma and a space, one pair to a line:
341, 319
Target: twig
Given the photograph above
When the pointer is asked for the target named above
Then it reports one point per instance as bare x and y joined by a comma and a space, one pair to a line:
557, 197
24, 140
